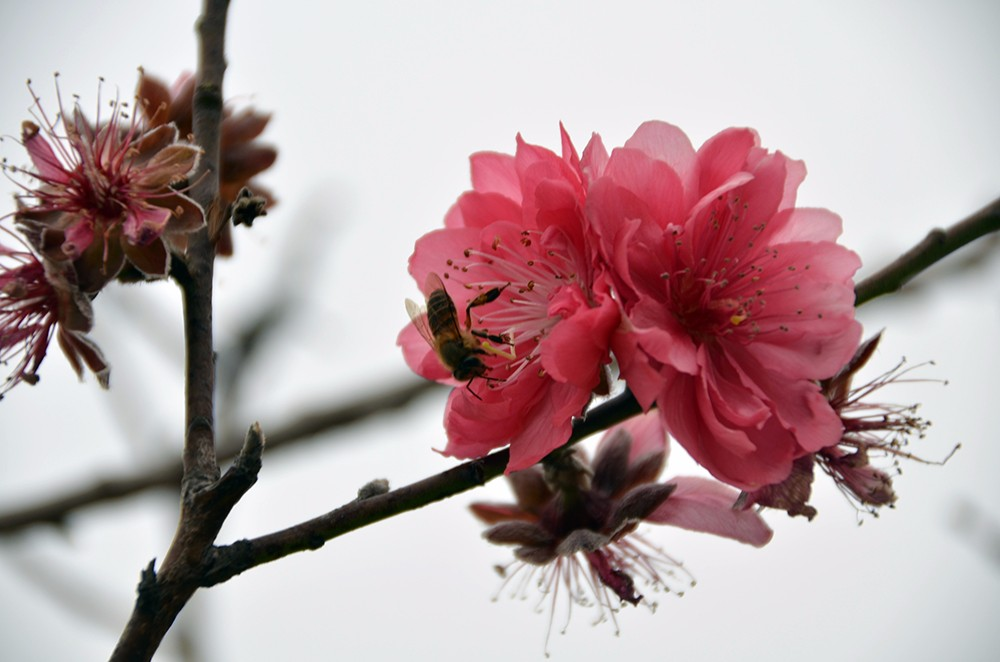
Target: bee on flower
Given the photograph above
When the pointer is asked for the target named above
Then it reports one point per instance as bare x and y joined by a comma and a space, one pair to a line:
519, 233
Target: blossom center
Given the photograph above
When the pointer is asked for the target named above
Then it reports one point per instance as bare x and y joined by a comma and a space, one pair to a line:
718, 286
536, 281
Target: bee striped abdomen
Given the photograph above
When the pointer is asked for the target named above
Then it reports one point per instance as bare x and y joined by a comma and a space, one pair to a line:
442, 318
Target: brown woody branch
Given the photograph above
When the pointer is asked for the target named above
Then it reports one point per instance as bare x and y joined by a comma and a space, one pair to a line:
936, 245
168, 476
231, 560
206, 497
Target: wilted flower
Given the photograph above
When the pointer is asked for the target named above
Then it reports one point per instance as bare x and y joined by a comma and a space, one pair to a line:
736, 301
520, 231
871, 430
37, 299
104, 191
574, 524
241, 155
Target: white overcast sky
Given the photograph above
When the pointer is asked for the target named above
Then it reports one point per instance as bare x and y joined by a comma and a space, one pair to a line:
377, 105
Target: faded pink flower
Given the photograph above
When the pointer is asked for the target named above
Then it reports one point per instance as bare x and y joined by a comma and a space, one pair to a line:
736, 301
521, 231
104, 192
241, 155
574, 524
38, 299
871, 431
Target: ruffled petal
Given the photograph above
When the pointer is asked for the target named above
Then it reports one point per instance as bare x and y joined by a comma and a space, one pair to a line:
700, 504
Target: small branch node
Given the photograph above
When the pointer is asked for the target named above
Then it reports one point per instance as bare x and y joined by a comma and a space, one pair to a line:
200, 423
937, 236
148, 589
373, 488
316, 541
250, 457
242, 474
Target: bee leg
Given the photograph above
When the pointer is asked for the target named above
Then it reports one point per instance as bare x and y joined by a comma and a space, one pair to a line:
484, 298
503, 339
487, 348
468, 386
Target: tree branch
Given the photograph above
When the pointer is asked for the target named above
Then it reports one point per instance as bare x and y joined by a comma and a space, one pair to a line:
229, 561
309, 424
206, 500
936, 245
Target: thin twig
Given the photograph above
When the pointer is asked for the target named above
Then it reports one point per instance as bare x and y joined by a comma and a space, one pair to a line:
231, 560
936, 245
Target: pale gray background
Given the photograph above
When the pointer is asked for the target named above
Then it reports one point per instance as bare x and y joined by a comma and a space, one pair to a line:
894, 108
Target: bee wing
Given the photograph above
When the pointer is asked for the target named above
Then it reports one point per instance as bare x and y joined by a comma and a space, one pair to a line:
432, 283
419, 317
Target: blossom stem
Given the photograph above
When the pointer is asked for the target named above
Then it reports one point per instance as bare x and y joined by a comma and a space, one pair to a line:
936, 245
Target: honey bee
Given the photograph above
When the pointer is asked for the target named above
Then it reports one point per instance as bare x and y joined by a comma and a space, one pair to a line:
459, 350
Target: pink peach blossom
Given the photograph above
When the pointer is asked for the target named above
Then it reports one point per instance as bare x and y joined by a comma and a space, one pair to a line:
242, 156
104, 191
736, 301
521, 231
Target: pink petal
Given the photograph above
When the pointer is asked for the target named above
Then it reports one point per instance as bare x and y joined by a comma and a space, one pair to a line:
743, 457
798, 404
631, 241
726, 385
569, 154
665, 142
700, 504
421, 357
533, 414
47, 164
805, 224
659, 335
722, 156
481, 209
655, 183
495, 173
594, 160
642, 378
762, 196
549, 184
430, 254
78, 238
647, 433
796, 174
577, 346
549, 425
144, 223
